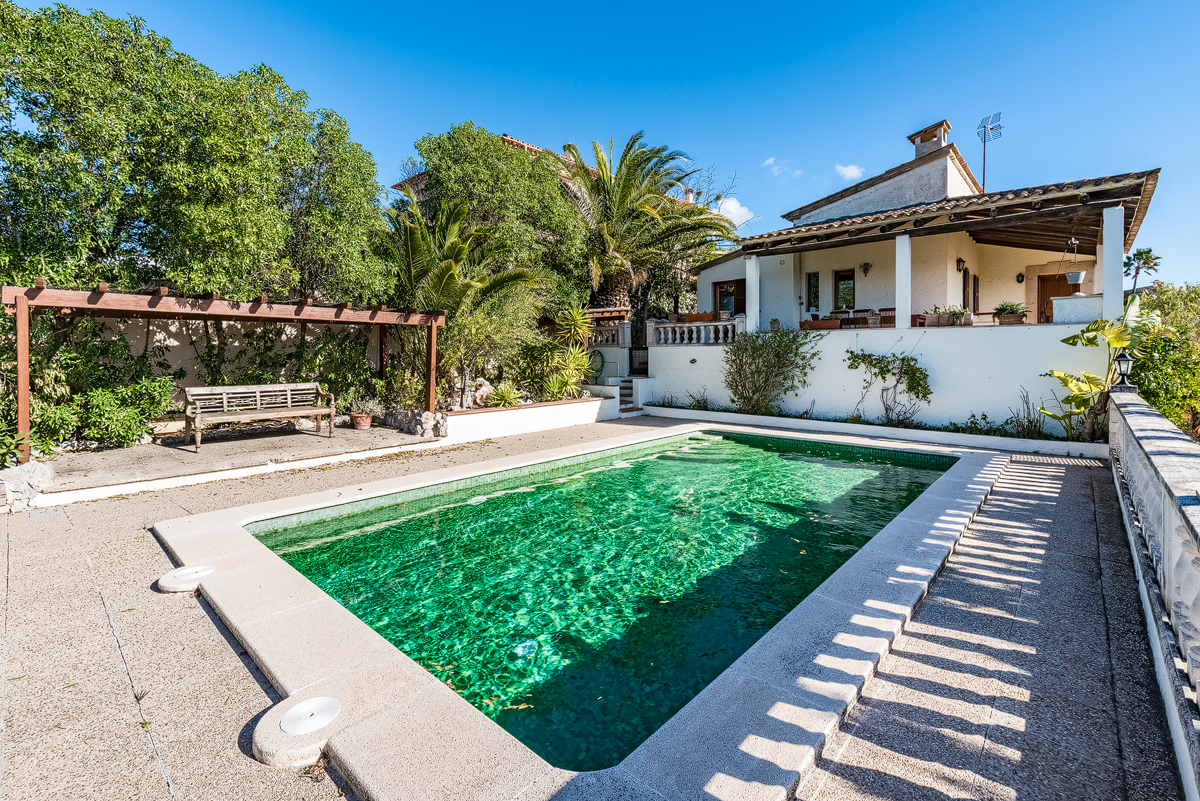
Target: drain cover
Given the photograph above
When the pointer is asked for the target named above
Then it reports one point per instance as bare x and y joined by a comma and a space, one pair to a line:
309, 715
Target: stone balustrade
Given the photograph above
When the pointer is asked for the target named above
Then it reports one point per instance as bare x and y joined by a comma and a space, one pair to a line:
611, 335
661, 333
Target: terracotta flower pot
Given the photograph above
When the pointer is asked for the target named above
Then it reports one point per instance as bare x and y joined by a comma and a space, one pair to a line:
1010, 319
361, 421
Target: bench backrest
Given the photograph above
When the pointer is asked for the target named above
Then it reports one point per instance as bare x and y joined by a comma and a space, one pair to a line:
253, 398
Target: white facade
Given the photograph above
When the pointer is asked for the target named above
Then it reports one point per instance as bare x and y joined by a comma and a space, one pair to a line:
936, 180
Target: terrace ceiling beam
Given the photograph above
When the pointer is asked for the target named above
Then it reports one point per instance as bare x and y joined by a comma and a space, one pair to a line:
954, 224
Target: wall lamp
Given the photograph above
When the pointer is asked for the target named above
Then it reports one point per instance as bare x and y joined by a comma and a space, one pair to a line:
961, 263
865, 267
1020, 278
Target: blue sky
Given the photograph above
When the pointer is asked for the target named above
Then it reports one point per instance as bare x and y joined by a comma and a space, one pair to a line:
779, 95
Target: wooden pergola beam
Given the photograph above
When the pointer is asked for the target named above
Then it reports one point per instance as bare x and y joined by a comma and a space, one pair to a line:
113, 304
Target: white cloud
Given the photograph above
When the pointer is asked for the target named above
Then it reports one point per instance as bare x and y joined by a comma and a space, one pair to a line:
850, 173
769, 162
797, 173
735, 211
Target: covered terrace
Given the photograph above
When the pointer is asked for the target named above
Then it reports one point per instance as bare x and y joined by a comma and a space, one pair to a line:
973, 251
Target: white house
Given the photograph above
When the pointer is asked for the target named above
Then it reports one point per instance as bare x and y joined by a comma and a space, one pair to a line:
924, 234
919, 237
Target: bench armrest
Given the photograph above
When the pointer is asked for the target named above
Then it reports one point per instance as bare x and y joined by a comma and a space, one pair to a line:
190, 411
323, 394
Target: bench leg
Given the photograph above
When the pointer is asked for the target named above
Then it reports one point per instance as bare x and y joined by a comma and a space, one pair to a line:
196, 433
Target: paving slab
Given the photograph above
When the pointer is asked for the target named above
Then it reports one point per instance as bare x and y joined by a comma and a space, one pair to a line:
85, 626
1025, 673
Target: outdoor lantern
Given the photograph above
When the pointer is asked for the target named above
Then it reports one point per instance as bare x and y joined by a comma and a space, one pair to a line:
1123, 363
961, 263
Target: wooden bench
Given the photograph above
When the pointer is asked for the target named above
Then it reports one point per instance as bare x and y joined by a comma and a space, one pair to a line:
210, 405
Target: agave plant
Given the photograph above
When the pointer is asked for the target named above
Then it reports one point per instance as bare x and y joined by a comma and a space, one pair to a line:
504, 396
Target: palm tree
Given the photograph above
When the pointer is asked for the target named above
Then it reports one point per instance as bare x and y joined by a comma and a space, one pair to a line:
633, 221
451, 266
1142, 260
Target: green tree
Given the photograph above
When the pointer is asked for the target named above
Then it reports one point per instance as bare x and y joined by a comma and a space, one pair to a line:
634, 223
1142, 260
516, 194
135, 164
1167, 376
1178, 305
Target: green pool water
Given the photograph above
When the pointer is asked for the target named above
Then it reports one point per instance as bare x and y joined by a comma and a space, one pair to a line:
582, 603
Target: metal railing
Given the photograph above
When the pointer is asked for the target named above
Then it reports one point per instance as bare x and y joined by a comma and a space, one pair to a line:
661, 333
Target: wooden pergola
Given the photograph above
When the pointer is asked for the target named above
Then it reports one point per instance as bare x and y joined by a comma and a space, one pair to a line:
22, 301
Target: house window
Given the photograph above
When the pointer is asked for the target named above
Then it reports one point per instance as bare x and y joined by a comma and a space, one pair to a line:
730, 296
813, 287
843, 289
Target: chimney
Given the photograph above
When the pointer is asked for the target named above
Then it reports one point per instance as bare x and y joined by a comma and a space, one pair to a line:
688, 195
930, 139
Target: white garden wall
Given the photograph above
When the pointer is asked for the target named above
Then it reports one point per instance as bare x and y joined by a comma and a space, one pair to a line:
971, 370
477, 424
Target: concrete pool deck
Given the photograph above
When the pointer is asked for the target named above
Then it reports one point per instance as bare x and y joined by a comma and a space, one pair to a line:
84, 631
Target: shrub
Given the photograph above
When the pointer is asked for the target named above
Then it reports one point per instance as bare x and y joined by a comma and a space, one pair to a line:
763, 366
1026, 421
1168, 378
979, 424
909, 386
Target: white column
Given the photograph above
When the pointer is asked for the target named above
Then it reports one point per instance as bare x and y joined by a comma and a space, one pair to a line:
752, 302
1110, 262
903, 281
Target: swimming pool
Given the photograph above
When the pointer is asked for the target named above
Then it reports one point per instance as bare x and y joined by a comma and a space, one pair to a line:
580, 603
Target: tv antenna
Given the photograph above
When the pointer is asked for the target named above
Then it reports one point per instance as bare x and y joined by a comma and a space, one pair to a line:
989, 129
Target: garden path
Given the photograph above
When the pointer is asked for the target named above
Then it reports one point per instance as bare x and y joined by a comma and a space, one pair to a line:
1026, 673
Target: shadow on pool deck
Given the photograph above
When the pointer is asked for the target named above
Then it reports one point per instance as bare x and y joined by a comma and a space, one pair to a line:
1026, 673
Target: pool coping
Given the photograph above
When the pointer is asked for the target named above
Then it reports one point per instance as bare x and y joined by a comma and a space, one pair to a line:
754, 732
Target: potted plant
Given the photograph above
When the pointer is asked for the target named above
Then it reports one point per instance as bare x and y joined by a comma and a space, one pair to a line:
873, 318
827, 323
956, 315
1010, 312
724, 314
936, 317
363, 411
774, 323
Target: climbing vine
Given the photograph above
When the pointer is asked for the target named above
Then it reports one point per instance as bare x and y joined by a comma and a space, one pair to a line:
904, 384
